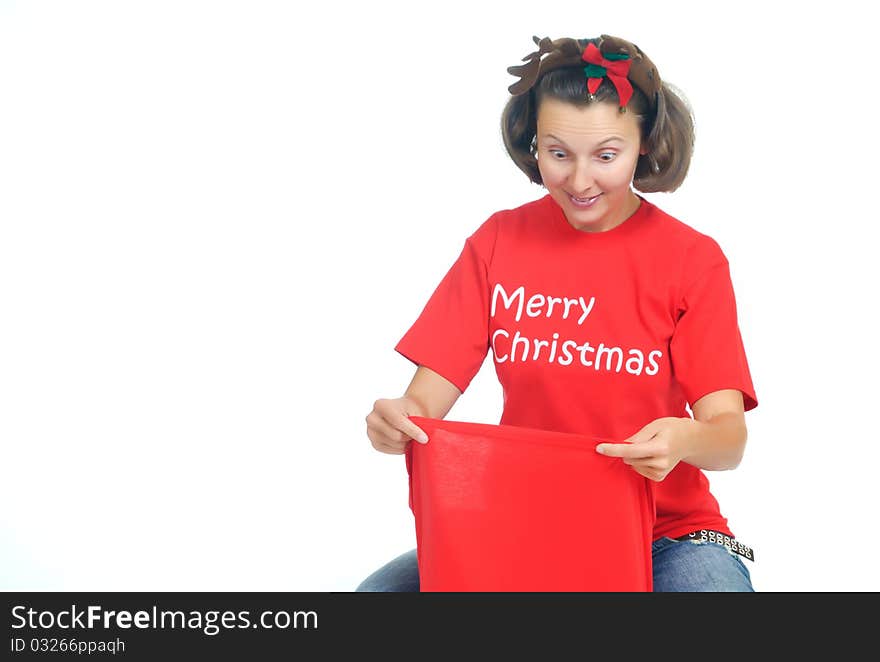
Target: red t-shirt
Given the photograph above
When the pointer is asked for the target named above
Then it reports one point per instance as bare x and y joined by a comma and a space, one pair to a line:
592, 333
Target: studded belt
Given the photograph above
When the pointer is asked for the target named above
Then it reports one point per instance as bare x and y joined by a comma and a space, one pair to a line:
732, 545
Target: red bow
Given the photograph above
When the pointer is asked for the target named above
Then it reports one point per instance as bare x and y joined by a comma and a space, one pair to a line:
616, 69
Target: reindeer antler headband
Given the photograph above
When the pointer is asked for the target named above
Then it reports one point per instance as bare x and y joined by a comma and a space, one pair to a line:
622, 62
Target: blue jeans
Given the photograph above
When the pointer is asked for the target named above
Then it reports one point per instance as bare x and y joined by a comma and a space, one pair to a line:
679, 565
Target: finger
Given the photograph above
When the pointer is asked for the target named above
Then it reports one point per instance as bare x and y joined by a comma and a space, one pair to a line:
389, 449
630, 451
653, 469
645, 470
407, 427
382, 443
385, 438
398, 429
395, 427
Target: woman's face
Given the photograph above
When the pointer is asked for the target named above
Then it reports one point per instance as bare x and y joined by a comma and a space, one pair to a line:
589, 153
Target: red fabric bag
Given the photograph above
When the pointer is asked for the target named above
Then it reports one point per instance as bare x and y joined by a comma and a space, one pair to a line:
508, 508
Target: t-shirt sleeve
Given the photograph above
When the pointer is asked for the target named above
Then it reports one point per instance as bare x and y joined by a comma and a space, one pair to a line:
706, 349
451, 335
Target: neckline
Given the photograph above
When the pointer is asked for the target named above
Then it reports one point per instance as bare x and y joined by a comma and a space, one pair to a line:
625, 228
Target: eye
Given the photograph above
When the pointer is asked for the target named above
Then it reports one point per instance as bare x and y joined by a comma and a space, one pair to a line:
610, 156
554, 152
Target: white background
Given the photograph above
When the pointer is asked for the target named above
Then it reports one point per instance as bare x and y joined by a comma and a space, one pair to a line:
217, 219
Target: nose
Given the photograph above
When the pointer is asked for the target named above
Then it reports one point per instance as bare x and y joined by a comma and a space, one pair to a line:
581, 179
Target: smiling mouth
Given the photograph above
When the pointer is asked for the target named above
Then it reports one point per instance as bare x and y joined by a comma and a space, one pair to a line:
584, 201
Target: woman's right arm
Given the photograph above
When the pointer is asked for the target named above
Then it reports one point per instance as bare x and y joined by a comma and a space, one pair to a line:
429, 395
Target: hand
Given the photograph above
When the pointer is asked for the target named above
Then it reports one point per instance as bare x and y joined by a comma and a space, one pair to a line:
389, 427
654, 450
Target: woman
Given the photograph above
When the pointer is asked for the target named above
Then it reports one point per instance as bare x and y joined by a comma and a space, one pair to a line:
605, 315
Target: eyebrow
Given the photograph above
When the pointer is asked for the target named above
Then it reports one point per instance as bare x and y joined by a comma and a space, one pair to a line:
607, 140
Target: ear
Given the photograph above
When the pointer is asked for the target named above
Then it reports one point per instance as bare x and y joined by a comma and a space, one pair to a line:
643, 150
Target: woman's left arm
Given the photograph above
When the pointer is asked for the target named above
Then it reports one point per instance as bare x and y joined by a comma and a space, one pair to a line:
714, 439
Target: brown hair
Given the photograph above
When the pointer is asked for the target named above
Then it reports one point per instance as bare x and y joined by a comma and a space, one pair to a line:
666, 131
